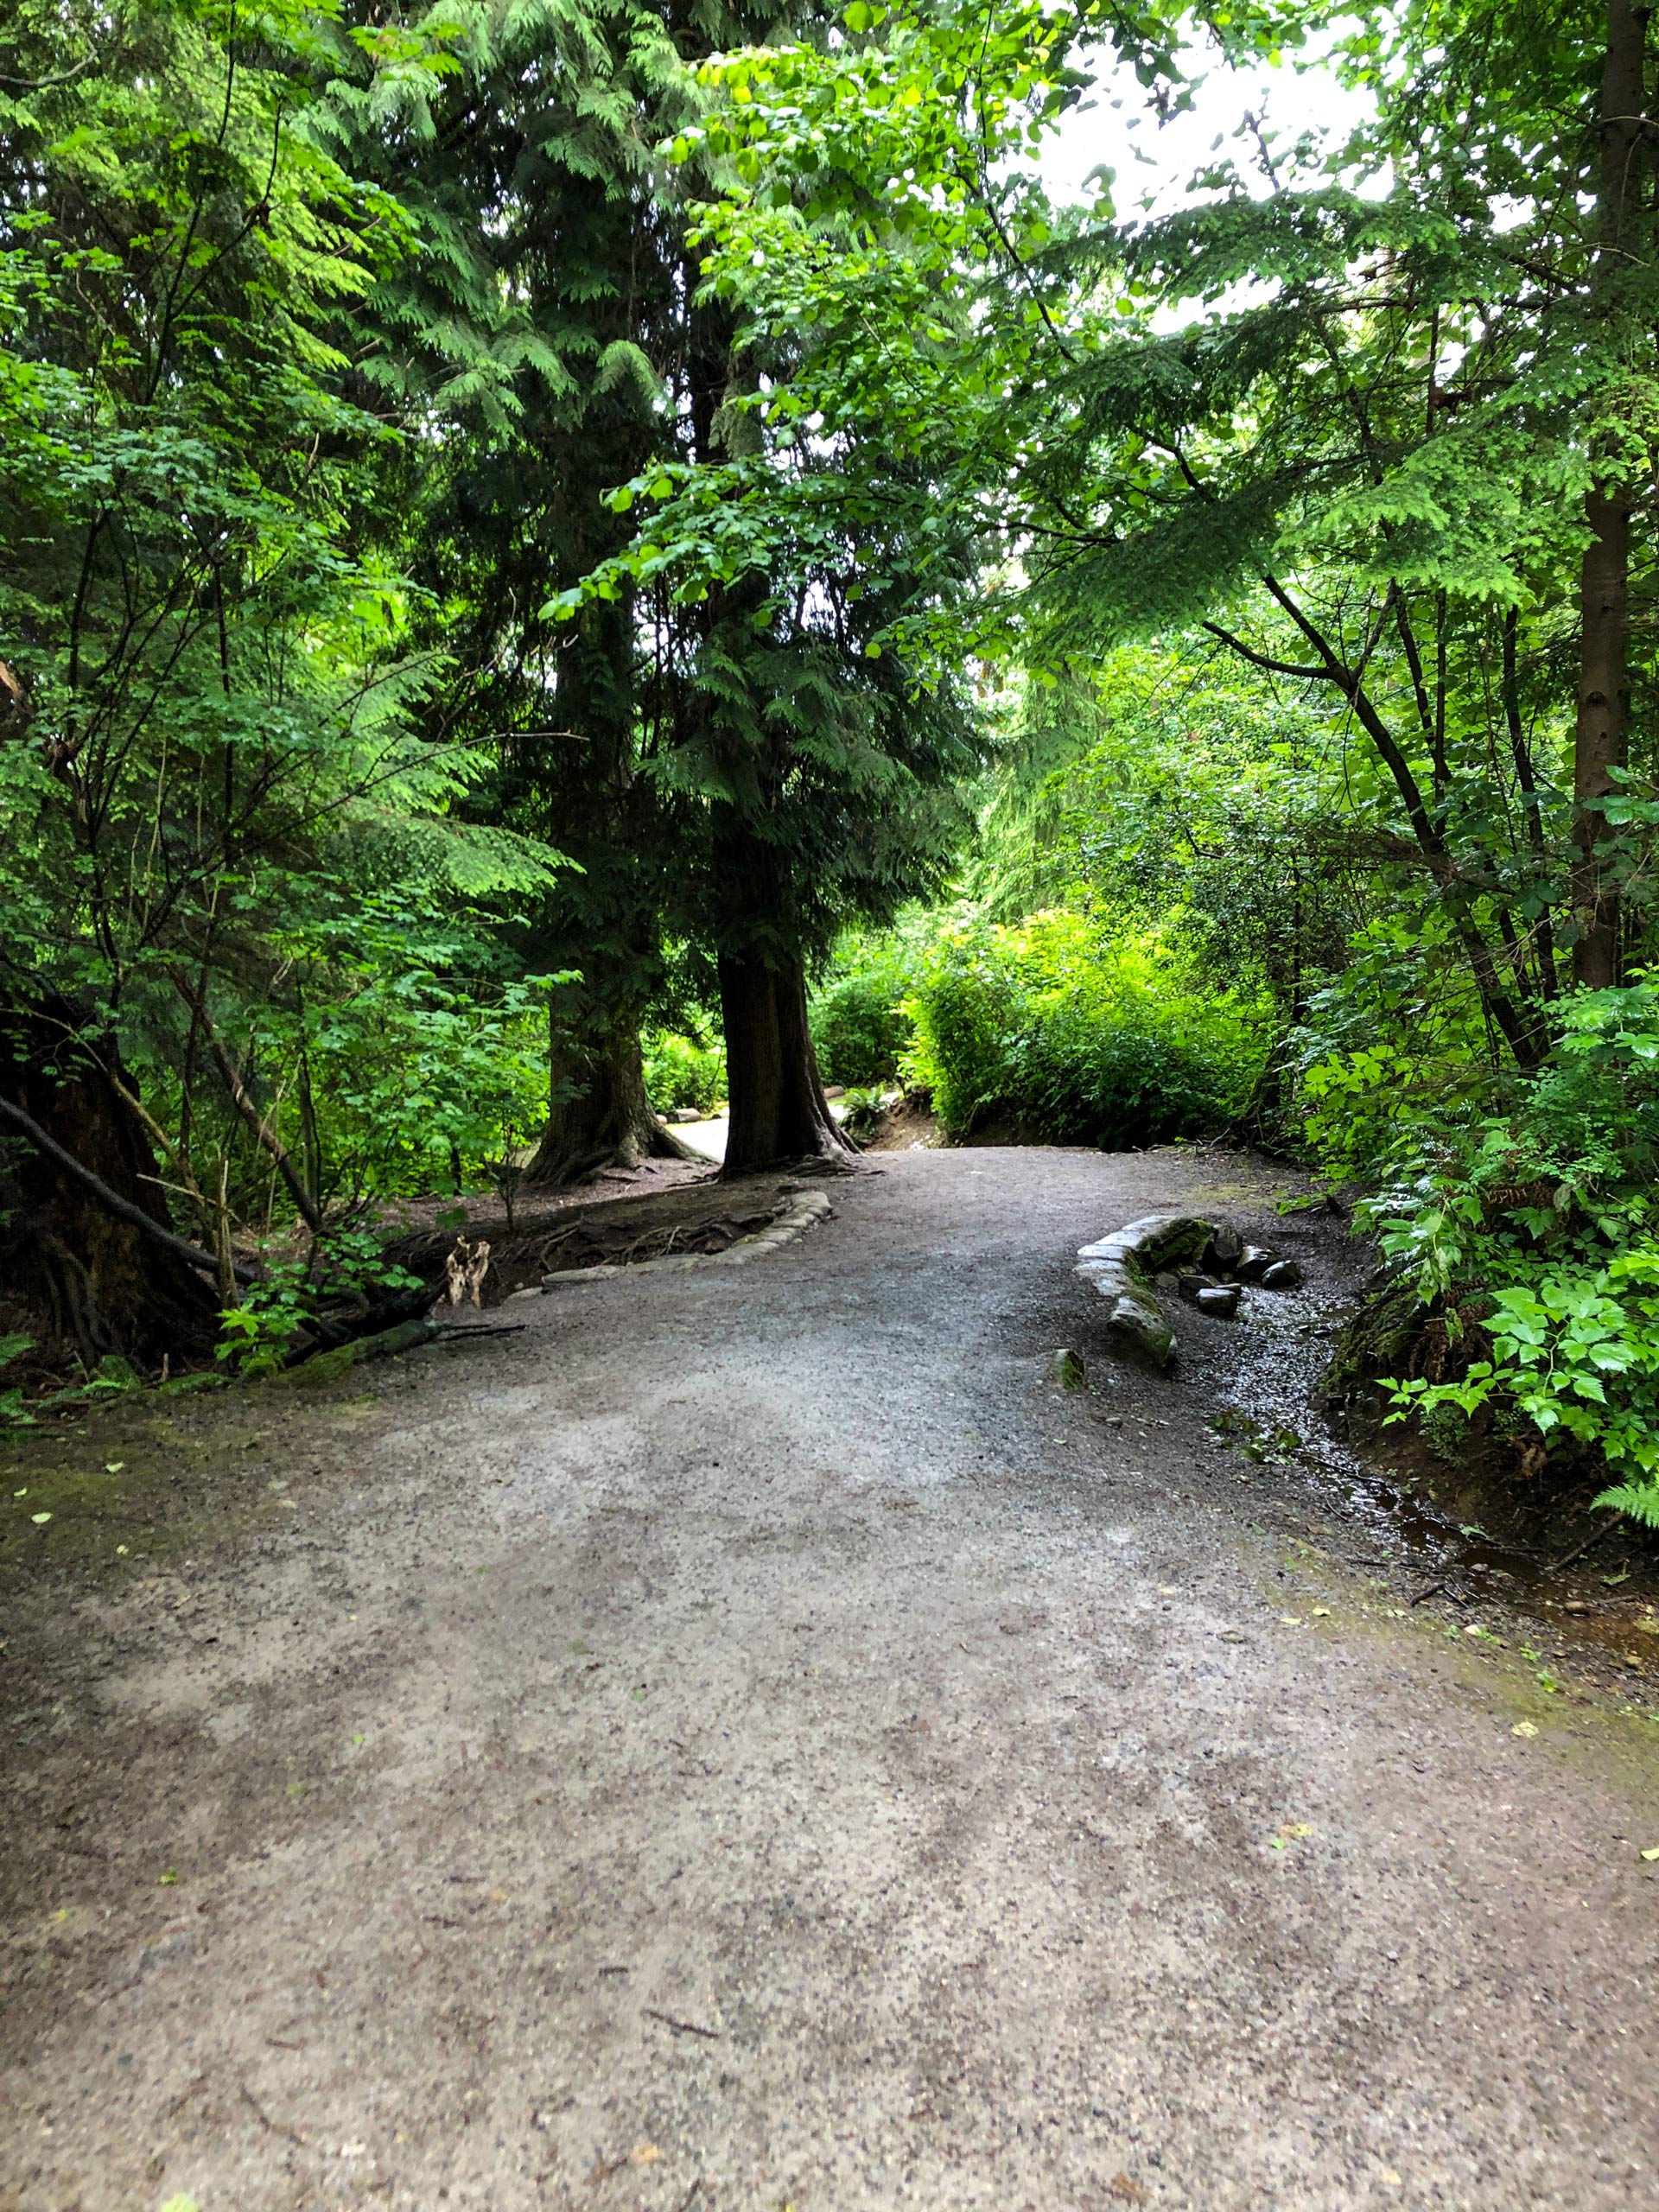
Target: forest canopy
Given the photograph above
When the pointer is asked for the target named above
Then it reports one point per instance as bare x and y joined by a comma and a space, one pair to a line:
546, 542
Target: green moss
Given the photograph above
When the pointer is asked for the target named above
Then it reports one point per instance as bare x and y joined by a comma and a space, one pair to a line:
162, 1476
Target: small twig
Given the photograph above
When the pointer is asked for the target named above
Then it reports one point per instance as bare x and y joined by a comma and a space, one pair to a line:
274, 2127
1605, 1529
471, 1329
685, 2202
681, 2027
185, 2094
1433, 1591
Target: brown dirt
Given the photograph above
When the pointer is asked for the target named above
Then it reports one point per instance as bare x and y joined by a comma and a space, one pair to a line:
904, 1126
750, 1739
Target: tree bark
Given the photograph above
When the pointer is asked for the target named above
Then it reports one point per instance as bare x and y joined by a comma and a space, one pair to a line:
1602, 738
601, 1115
778, 1110
98, 1283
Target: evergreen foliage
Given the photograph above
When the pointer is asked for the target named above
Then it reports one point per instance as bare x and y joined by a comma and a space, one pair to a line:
213, 693
535, 520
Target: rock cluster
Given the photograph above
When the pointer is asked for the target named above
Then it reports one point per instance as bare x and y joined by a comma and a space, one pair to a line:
1206, 1262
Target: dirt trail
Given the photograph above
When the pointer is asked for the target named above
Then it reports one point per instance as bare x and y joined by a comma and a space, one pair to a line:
751, 1741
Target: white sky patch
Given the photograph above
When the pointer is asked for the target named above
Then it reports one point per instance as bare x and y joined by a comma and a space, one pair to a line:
1116, 126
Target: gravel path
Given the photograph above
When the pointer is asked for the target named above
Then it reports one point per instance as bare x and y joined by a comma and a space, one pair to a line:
751, 1741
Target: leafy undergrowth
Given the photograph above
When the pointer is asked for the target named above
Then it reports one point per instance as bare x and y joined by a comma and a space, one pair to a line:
304, 1303
1060, 1035
1518, 1315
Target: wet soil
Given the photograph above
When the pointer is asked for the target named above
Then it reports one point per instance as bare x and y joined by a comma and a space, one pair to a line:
904, 1128
1469, 1543
752, 1739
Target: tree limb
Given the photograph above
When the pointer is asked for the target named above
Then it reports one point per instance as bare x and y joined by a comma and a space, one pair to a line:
111, 1201
1266, 661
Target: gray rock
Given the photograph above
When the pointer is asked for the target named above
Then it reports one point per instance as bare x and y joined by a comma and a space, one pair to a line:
1109, 1277
1136, 1322
1283, 1274
1253, 1263
1067, 1369
1225, 1250
835, 1090
1220, 1299
1190, 1286
1110, 1250
1162, 1240
684, 1114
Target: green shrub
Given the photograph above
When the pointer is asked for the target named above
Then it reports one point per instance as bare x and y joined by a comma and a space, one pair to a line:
1534, 1233
683, 1071
860, 1031
862, 1111
958, 1049
1077, 1039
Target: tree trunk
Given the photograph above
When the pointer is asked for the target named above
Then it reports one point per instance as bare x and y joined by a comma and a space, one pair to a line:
600, 1115
97, 1283
778, 1106
1602, 739
1601, 742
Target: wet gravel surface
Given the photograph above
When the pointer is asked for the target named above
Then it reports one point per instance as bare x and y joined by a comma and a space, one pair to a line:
751, 1740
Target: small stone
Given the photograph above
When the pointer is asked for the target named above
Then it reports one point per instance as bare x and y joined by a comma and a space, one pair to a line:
1253, 1263
684, 1114
1190, 1286
1067, 1369
835, 1090
1283, 1274
1219, 1298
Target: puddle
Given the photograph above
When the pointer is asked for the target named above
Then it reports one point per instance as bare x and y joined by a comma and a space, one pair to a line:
1267, 1417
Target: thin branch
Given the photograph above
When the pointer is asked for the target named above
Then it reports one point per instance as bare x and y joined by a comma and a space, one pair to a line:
111, 1200
1266, 661
230, 1075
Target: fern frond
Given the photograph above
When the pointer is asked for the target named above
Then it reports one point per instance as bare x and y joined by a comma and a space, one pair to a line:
1638, 1499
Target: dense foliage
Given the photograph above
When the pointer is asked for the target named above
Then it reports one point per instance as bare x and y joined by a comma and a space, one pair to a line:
1047, 1031
1361, 448
543, 525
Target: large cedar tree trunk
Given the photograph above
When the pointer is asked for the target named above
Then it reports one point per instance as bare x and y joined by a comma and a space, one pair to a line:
601, 1115
778, 1106
97, 1283
1601, 743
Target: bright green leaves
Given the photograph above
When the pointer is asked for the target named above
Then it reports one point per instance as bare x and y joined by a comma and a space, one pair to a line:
1538, 1226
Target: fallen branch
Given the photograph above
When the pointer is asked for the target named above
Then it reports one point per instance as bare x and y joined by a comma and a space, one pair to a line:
111, 1201
273, 2126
